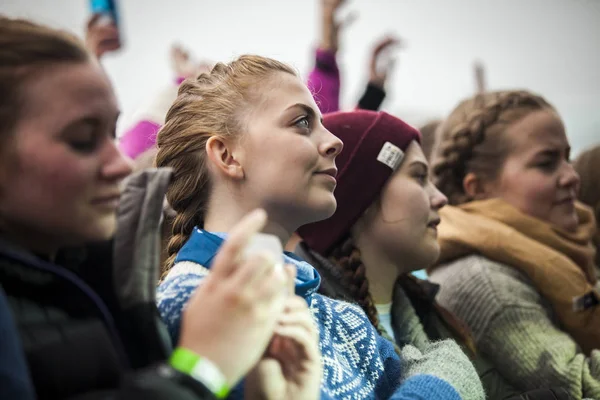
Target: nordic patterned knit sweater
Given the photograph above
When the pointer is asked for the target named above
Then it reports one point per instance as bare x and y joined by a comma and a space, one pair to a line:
357, 362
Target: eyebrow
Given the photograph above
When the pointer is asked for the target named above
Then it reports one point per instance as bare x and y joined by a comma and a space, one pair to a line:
553, 152
308, 109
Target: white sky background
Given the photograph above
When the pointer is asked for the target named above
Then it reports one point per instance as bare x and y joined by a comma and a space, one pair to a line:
549, 46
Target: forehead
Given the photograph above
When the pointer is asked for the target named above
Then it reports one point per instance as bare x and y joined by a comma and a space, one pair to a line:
541, 128
413, 154
282, 90
65, 91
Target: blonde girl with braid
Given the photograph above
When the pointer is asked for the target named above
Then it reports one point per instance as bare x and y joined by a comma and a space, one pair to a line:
249, 135
517, 259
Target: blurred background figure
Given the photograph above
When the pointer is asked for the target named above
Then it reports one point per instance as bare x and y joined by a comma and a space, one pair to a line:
587, 166
150, 117
433, 73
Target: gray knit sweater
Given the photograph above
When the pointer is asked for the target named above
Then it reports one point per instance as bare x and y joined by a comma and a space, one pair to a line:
515, 328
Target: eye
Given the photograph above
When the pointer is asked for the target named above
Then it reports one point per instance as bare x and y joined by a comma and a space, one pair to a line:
303, 123
422, 179
83, 138
84, 146
548, 165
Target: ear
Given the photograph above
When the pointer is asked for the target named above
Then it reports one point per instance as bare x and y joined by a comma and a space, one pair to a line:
474, 187
221, 155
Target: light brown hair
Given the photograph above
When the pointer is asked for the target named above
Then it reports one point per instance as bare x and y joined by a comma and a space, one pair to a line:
213, 104
472, 140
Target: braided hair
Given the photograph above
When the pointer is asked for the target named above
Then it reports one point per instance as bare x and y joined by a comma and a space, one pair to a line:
354, 276
471, 139
213, 104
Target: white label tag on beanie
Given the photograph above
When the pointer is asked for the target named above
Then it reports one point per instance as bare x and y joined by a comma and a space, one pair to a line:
390, 155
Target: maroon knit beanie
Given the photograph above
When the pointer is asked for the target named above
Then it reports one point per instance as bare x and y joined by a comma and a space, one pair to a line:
374, 146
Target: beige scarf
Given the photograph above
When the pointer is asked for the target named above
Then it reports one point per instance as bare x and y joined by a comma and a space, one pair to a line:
559, 263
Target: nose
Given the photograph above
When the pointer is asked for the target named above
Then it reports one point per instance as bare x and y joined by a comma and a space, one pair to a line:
115, 166
569, 177
437, 198
331, 146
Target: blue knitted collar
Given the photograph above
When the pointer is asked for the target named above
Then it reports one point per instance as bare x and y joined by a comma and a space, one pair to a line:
202, 246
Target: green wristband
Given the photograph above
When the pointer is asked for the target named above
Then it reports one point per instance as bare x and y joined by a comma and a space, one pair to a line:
201, 369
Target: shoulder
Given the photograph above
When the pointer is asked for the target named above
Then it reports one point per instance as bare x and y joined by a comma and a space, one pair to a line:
478, 290
479, 276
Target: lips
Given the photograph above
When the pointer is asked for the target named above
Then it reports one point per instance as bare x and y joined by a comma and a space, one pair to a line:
108, 200
329, 171
567, 200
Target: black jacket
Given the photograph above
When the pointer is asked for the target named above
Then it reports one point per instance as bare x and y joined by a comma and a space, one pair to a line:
88, 322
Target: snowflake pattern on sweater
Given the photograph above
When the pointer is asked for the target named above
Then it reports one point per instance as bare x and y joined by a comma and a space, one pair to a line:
357, 362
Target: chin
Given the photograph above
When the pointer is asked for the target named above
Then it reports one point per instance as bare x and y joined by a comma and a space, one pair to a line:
102, 230
430, 255
323, 210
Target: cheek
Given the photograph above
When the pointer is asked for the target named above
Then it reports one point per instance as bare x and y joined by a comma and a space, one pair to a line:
55, 176
405, 202
286, 159
530, 191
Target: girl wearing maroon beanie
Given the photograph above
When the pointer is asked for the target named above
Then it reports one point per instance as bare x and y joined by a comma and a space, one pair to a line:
385, 227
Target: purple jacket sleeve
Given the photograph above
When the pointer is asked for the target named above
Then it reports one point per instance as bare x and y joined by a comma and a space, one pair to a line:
142, 136
324, 82
139, 138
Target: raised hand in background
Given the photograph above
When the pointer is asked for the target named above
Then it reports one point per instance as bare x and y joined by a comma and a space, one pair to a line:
184, 66
101, 36
332, 25
382, 60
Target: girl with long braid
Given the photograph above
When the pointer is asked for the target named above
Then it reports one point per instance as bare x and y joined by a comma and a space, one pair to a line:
249, 135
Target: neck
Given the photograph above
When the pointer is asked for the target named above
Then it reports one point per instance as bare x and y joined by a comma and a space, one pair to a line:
224, 213
381, 271
381, 274
382, 278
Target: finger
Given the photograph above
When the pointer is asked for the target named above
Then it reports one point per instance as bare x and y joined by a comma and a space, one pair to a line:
229, 254
107, 45
308, 345
93, 20
388, 43
291, 352
479, 71
108, 32
391, 65
301, 318
295, 303
333, 4
291, 272
273, 289
253, 272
